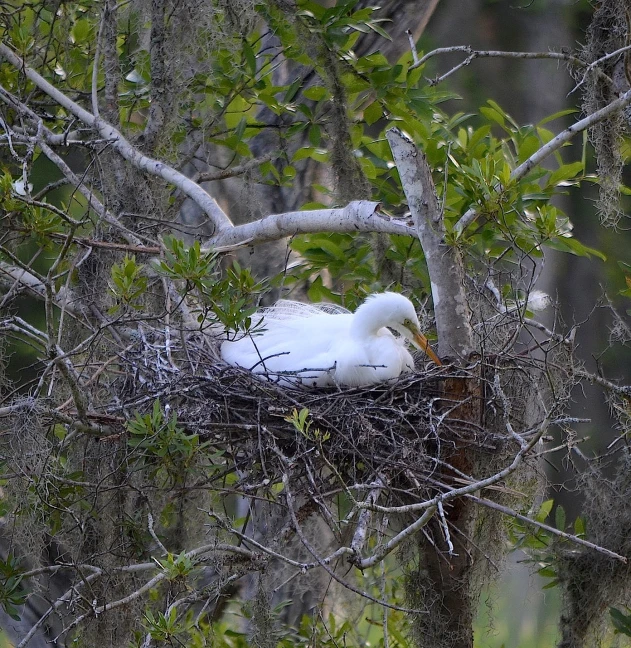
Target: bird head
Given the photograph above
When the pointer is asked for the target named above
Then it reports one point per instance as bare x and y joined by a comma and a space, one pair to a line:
410, 329
399, 314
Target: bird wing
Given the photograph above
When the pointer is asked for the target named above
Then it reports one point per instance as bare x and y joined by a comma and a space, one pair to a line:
301, 344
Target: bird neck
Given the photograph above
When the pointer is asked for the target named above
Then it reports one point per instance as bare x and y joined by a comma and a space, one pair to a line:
368, 319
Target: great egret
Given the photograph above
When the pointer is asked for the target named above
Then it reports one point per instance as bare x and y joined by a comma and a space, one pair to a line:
320, 346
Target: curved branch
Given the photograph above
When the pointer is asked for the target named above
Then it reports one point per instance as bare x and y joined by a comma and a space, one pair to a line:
444, 262
357, 216
154, 167
14, 278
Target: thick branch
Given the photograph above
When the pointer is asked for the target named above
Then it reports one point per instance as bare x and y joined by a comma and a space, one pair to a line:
357, 216
444, 263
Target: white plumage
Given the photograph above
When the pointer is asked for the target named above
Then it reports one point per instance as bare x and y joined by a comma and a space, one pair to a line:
324, 345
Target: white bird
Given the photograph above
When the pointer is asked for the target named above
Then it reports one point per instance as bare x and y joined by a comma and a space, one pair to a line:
323, 345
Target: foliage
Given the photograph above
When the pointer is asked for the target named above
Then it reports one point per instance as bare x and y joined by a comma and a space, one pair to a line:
303, 426
621, 621
13, 594
128, 284
541, 545
163, 445
223, 299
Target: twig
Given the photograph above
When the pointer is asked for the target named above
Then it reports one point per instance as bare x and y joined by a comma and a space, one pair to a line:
445, 526
57, 604
231, 172
153, 534
470, 488
624, 390
359, 537
546, 527
596, 63
415, 57
473, 54
309, 547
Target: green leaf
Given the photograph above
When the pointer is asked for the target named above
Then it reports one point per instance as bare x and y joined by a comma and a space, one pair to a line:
250, 57
544, 510
315, 135
571, 245
529, 146
320, 155
493, 115
559, 518
621, 622
375, 27
373, 113
81, 30
293, 89
316, 93
565, 172
557, 115
579, 527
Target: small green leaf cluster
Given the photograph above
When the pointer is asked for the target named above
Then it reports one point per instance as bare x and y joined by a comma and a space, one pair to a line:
165, 627
162, 446
128, 284
177, 566
225, 297
302, 425
12, 592
540, 543
33, 222
188, 264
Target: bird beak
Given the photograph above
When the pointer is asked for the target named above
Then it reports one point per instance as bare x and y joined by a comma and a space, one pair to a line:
423, 344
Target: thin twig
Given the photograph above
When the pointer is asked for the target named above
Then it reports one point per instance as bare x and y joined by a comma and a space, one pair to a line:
546, 527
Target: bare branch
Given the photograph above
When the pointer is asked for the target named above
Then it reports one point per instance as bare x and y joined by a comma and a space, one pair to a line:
359, 537
309, 547
357, 216
392, 544
479, 54
231, 172
473, 54
444, 262
623, 390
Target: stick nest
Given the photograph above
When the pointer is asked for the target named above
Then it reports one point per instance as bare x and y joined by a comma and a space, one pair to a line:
402, 428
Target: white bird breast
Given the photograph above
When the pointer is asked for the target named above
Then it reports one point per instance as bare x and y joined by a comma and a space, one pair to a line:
300, 345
